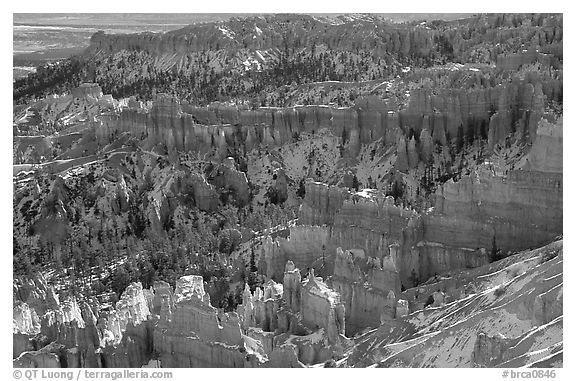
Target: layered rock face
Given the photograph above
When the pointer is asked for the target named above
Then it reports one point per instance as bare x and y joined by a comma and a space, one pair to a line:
518, 210
492, 111
546, 152
190, 332
164, 124
368, 288
26, 325
187, 331
321, 307
314, 313
304, 246
321, 203
193, 333
513, 62
126, 331
435, 116
522, 209
32, 299
259, 310
366, 221
428, 259
371, 222
181, 127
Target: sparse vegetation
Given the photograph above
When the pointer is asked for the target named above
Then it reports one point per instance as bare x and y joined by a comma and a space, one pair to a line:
548, 255
501, 290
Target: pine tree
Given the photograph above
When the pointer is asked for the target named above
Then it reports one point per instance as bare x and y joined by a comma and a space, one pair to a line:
494, 256
252, 272
253, 267
414, 278
301, 192
355, 183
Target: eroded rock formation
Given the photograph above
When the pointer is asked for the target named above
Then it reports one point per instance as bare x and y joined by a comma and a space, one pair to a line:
193, 333
77, 334
468, 217
368, 287
410, 259
304, 246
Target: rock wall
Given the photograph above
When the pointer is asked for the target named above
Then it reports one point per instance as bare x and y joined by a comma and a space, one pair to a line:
36, 293
367, 287
304, 246
26, 324
370, 221
512, 62
259, 310
546, 152
48, 357
193, 333
521, 210
291, 287
442, 114
489, 350
492, 111
428, 259
320, 307
320, 203
180, 127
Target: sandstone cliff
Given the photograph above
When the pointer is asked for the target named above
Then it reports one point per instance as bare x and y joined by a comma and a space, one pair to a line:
193, 333
521, 210
469, 215
304, 246
368, 289
546, 152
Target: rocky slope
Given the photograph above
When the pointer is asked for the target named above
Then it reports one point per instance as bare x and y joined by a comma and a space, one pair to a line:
505, 314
